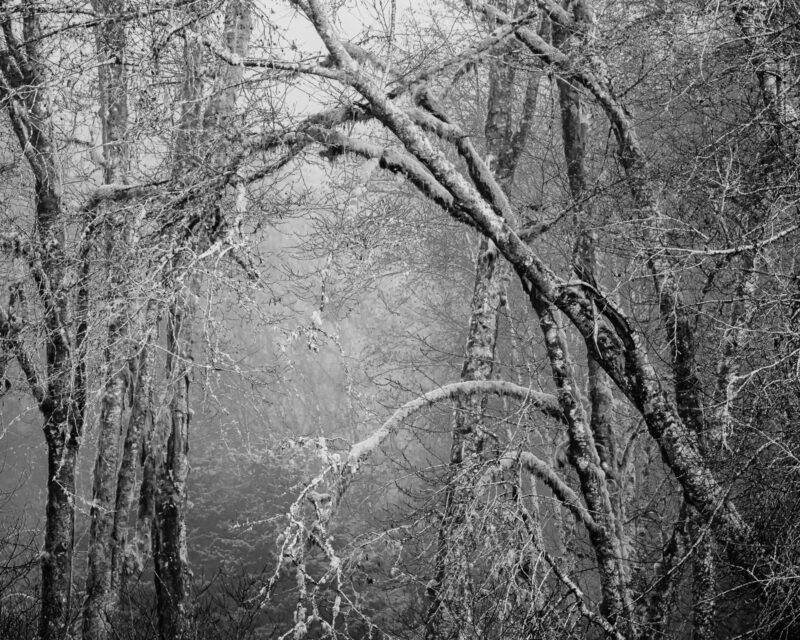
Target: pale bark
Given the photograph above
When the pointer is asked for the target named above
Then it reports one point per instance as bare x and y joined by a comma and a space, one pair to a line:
543, 402
171, 464
575, 131
609, 336
466, 449
759, 24
111, 45
733, 338
61, 395
138, 424
145, 517
98, 582
661, 601
611, 339
504, 143
561, 490
197, 130
339, 475
236, 39
704, 584
172, 574
362, 450
584, 458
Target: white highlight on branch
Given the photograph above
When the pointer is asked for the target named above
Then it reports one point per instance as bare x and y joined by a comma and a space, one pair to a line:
546, 402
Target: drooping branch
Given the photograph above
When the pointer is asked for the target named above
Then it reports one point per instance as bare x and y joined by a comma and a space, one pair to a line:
339, 473
613, 341
544, 402
561, 490
452, 590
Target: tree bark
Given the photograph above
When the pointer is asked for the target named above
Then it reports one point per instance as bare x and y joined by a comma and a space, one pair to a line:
197, 129
504, 144
138, 424
611, 339
611, 551
62, 435
61, 396
110, 40
172, 574
171, 464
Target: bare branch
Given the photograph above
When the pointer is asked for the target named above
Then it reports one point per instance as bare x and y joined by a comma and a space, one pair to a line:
732, 251
580, 597
235, 60
565, 494
545, 402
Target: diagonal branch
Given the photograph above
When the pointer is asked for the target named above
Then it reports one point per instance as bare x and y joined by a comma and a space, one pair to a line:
562, 491
619, 349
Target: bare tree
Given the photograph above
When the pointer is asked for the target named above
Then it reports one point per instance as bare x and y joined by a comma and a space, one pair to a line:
621, 349
60, 388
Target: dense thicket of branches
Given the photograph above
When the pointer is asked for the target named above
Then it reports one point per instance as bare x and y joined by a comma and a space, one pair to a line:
595, 433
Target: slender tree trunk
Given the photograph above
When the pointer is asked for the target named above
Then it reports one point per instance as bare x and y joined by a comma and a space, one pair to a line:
143, 545
704, 582
171, 464
98, 581
197, 130
598, 453
172, 574
467, 445
141, 416
62, 453
661, 600
584, 458
111, 45
61, 395
759, 23
504, 142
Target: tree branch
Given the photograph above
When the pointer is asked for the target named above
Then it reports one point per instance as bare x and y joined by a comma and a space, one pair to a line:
565, 494
545, 402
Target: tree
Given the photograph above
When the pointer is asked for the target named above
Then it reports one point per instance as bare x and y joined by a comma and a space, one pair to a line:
105, 271
670, 398
627, 179
60, 389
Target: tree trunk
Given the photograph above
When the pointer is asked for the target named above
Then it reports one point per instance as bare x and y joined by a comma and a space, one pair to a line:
61, 395
172, 574
98, 581
110, 39
141, 416
62, 453
504, 143
196, 130
598, 453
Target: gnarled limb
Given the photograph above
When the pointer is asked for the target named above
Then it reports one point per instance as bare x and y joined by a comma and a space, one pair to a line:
611, 339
